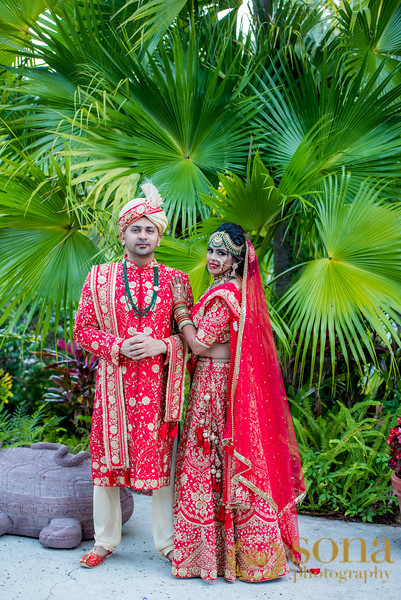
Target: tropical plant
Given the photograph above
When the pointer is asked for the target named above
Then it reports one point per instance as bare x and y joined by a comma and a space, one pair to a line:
371, 36
22, 428
77, 438
75, 382
291, 130
351, 290
256, 203
41, 244
269, 128
315, 126
175, 118
344, 459
5, 387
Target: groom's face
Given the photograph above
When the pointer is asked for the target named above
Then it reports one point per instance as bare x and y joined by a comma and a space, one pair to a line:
140, 239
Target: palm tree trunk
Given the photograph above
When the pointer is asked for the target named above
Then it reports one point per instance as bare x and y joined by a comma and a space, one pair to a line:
282, 259
262, 10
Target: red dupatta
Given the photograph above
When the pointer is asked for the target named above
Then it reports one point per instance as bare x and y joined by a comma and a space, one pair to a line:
260, 446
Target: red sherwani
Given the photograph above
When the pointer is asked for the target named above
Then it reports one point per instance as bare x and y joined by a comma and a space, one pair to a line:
134, 399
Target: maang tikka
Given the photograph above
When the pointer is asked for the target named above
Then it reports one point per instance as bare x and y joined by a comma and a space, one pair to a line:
222, 238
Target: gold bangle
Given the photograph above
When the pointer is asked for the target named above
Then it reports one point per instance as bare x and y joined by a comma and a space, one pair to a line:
184, 323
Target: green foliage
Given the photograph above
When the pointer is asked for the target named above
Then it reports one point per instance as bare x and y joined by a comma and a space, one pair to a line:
22, 428
27, 372
189, 256
41, 245
106, 93
254, 203
79, 439
353, 286
314, 124
297, 121
23, 425
344, 459
14, 22
5, 387
74, 385
174, 114
371, 36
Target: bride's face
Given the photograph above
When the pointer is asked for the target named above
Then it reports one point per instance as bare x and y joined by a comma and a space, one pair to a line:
219, 260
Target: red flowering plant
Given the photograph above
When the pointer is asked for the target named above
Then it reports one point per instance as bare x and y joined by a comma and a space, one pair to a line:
394, 441
74, 383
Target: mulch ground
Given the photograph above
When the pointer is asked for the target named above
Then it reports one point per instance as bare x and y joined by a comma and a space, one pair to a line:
378, 519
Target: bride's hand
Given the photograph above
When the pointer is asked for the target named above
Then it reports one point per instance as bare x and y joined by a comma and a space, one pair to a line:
178, 289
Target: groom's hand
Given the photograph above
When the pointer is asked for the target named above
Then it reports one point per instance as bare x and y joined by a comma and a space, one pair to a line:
142, 346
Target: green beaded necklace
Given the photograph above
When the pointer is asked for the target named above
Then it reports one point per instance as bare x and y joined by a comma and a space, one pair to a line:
139, 312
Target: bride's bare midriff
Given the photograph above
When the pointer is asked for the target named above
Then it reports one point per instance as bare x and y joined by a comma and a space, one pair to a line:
218, 351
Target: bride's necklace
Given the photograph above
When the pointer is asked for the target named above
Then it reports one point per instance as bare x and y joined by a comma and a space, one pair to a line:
220, 279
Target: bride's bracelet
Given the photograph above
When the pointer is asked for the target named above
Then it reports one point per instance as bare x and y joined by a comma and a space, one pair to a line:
183, 318
182, 323
181, 309
180, 304
182, 315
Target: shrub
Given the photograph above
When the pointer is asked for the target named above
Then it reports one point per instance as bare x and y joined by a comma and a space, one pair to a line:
344, 459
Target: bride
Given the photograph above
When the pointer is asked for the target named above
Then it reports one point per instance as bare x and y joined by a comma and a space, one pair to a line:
238, 473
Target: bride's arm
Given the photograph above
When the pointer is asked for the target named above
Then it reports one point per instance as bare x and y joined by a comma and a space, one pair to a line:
216, 317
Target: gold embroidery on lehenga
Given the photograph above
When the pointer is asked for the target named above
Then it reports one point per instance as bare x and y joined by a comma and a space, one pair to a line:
203, 547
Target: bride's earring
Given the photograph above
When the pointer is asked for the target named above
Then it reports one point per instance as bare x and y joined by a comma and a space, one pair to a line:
234, 268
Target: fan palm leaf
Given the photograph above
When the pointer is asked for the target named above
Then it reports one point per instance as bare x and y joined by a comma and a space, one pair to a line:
187, 255
371, 36
351, 291
289, 26
310, 129
176, 119
153, 19
177, 125
15, 17
254, 203
45, 256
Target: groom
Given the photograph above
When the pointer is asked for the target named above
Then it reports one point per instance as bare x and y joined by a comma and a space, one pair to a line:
125, 318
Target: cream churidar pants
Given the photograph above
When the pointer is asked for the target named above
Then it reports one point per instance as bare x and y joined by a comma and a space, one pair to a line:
108, 521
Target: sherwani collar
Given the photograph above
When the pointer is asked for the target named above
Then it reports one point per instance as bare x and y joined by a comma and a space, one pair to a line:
148, 267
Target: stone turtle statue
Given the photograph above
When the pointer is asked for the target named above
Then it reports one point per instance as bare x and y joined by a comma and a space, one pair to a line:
46, 492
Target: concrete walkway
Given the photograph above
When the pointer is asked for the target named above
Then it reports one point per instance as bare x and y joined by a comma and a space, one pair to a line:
30, 572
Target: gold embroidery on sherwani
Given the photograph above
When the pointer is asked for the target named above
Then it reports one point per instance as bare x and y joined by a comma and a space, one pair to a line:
178, 353
113, 401
143, 382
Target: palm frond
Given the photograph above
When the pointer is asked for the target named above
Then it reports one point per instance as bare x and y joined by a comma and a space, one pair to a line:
189, 256
45, 255
176, 119
148, 124
371, 36
153, 19
326, 125
351, 292
253, 203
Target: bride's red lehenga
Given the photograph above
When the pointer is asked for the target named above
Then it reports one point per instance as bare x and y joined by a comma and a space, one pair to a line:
238, 473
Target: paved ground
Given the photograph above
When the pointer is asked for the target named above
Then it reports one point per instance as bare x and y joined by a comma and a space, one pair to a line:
30, 572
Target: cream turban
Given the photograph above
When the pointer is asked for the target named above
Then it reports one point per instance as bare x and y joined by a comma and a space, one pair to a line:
149, 207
